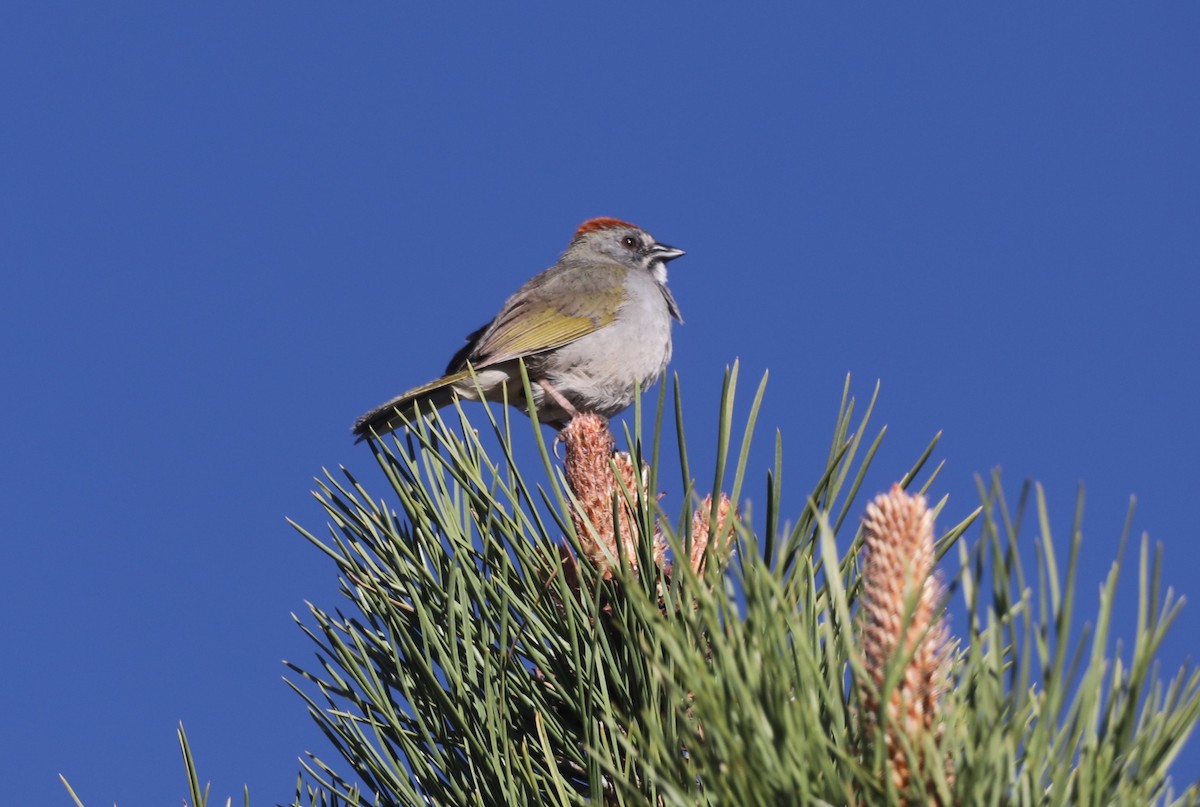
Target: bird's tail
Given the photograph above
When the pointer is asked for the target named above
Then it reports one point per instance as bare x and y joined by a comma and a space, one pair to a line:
412, 404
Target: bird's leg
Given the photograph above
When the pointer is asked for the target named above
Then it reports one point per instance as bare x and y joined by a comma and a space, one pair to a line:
563, 404
558, 398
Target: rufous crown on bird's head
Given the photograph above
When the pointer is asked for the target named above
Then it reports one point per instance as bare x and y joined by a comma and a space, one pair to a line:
602, 223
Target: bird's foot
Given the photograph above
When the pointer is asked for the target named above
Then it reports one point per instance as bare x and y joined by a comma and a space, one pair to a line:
559, 439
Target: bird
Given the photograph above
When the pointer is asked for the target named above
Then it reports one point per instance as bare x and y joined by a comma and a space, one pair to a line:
591, 330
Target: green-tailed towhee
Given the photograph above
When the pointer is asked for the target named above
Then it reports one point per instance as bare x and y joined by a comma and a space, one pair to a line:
590, 329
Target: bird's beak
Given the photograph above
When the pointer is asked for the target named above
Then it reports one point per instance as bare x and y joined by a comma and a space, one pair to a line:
666, 253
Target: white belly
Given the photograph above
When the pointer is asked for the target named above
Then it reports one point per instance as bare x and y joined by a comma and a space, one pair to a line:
598, 372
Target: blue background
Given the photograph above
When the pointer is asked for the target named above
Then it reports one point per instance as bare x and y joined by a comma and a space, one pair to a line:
226, 229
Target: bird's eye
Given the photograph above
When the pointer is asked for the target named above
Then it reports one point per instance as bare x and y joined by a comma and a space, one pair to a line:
632, 242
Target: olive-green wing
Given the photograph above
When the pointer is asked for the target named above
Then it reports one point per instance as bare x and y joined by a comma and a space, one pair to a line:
551, 310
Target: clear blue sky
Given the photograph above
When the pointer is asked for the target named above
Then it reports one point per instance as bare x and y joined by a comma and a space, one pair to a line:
226, 229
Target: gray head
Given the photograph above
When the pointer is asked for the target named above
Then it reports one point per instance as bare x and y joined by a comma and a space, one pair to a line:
624, 243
